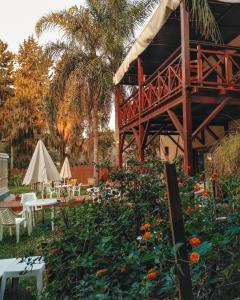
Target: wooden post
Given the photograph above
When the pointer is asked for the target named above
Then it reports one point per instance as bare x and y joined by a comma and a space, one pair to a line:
187, 107
117, 127
178, 233
140, 103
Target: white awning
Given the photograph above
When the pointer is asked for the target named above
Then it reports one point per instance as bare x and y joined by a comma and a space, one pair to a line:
157, 21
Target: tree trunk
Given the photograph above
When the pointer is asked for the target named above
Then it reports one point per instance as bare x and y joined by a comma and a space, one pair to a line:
11, 155
62, 152
95, 139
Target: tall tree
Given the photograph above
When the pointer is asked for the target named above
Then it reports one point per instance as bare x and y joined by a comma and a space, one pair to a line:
94, 44
6, 72
24, 119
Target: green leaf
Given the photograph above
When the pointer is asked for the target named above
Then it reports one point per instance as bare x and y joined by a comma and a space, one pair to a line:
149, 256
175, 248
203, 248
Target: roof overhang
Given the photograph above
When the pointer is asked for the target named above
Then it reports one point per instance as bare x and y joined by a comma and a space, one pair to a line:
151, 30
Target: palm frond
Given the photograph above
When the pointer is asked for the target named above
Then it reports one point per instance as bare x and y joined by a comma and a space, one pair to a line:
205, 22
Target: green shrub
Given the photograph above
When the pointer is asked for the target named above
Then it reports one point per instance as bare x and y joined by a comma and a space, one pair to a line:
111, 248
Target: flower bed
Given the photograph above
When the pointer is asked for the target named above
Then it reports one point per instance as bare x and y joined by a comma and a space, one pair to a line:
121, 248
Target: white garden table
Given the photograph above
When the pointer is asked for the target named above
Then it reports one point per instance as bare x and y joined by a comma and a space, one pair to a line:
15, 268
43, 203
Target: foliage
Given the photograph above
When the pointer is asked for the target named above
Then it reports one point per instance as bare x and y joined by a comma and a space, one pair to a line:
15, 179
111, 248
93, 47
205, 22
106, 143
226, 156
6, 72
24, 119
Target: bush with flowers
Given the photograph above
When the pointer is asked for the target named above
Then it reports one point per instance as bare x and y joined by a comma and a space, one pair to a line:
119, 247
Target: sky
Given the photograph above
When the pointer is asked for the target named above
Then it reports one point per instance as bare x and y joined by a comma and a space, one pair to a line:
18, 19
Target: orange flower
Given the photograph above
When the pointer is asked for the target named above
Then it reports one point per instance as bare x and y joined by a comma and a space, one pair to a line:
145, 227
147, 236
194, 242
205, 193
194, 257
152, 275
180, 185
196, 188
53, 251
101, 271
159, 236
189, 208
123, 269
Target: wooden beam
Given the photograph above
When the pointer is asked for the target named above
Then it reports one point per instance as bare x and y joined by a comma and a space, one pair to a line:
176, 122
117, 125
214, 100
212, 116
136, 135
145, 134
187, 105
129, 144
140, 98
212, 133
178, 233
153, 137
176, 143
201, 138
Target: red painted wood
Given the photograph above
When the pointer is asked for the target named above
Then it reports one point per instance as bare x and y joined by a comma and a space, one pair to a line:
211, 116
187, 106
140, 95
176, 122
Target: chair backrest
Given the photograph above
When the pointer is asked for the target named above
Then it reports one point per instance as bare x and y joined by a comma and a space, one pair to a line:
7, 217
28, 197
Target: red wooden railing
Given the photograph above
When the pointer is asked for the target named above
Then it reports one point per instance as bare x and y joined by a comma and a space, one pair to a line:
215, 68
211, 67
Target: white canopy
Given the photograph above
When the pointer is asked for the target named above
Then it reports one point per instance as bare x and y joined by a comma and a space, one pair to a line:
41, 167
159, 18
66, 171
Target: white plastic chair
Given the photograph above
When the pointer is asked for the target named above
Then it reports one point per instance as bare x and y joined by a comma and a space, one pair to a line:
29, 197
76, 189
9, 219
50, 191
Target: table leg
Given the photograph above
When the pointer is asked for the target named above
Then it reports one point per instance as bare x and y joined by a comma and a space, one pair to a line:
52, 217
30, 221
39, 278
3, 286
43, 216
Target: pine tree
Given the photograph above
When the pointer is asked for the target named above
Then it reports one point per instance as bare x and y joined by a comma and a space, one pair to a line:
6, 72
24, 117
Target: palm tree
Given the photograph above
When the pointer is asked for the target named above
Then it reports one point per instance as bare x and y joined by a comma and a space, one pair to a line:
95, 39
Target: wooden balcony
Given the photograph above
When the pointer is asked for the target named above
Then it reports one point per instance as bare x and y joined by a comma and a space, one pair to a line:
214, 70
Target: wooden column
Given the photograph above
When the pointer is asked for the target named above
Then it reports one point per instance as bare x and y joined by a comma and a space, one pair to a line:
178, 234
187, 107
119, 160
140, 126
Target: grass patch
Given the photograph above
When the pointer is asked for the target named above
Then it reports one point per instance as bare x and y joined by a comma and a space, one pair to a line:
20, 189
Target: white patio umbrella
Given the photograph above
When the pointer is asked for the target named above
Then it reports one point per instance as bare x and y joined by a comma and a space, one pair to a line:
41, 168
66, 171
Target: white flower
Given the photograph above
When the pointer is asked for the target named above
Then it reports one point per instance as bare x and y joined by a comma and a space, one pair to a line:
139, 238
